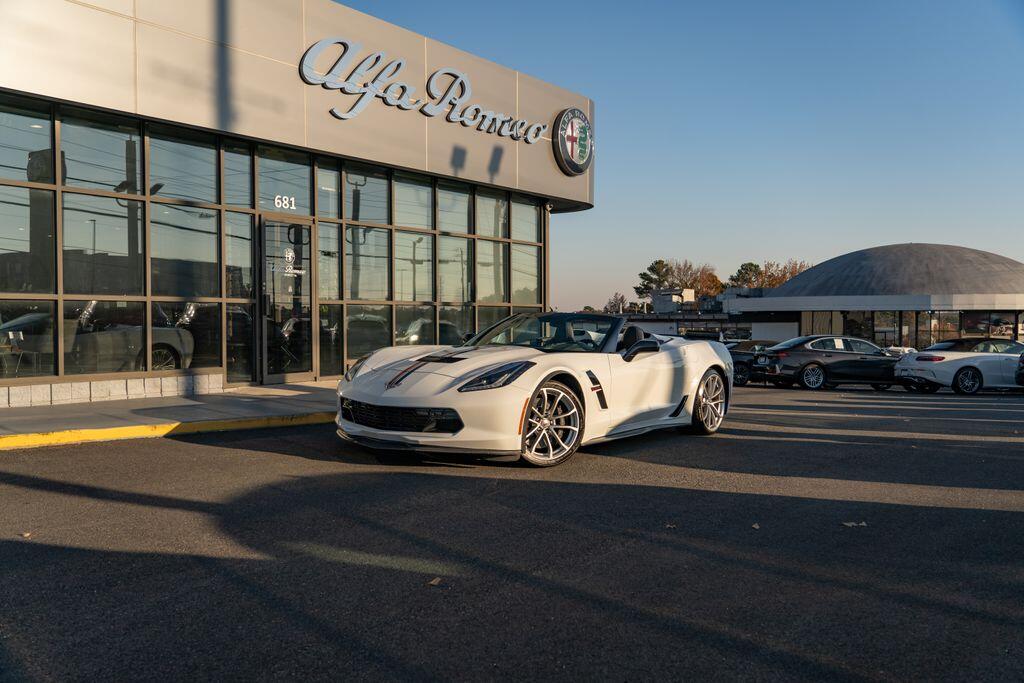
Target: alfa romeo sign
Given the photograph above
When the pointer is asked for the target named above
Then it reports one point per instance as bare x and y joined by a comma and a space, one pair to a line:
573, 141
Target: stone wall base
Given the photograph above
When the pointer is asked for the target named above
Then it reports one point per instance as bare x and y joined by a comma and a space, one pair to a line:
109, 390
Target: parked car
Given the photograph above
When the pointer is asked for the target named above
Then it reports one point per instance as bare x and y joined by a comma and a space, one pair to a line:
1020, 370
822, 361
966, 365
743, 353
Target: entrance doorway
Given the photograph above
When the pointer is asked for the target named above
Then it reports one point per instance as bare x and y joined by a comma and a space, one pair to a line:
285, 304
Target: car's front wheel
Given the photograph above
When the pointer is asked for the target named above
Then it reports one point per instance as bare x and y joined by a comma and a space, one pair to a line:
553, 428
967, 381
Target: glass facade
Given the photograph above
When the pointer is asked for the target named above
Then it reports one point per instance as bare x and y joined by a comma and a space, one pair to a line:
914, 329
156, 249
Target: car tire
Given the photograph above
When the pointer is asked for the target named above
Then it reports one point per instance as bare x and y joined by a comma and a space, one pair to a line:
554, 412
740, 375
812, 377
709, 405
881, 387
781, 384
968, 381
930, 388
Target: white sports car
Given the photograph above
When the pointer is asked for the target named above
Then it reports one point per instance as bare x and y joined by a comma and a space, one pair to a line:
535, 386
966, 365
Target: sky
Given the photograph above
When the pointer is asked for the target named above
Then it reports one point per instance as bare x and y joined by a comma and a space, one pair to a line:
746, 130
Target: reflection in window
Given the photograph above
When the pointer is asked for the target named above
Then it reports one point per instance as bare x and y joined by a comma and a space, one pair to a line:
490, 315
328, 189
103, 336
936, 326
368, 328
525, 274
183, 168
414, 325
332, 348
238, 257
184, 251
186, 334
366, 194
287, 282
101, 153
455, 323
491, 259
525, 219
25, 151
27, 252
857, 324
455, 269
284, 181
26, 339
414, 267
237, 174
491, 213
988, 324
329, 261
885, 328
366, 264
240, 343
908, 330
453, 206
103, 250
414, 201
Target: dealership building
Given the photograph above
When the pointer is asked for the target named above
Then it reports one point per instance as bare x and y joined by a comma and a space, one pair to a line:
909, 295
203, 193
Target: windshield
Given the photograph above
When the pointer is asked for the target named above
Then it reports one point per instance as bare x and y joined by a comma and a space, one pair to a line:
569, 332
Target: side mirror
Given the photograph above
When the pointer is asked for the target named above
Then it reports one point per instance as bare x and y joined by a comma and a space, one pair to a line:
466, 337
642, 346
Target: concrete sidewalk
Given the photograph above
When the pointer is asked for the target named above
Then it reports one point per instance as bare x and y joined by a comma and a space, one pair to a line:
243, 408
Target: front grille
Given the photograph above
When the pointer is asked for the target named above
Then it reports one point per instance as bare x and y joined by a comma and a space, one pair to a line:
400, 419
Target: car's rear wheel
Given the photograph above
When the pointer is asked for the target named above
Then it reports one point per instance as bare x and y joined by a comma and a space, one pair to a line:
740, 375
967, 381
553, 428
929, 388
812, 377
881, 387
709, 406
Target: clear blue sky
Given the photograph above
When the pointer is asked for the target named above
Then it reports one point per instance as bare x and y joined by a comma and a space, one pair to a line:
735, 130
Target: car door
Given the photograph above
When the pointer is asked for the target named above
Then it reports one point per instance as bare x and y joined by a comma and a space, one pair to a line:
829, 352
997, 359
870, 363
643, 388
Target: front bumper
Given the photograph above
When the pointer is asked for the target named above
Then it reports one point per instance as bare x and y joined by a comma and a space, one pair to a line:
399, 445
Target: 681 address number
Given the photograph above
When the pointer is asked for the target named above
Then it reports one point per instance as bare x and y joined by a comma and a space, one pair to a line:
284, 202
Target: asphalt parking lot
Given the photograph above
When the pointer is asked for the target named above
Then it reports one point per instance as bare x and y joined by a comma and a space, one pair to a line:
842, 535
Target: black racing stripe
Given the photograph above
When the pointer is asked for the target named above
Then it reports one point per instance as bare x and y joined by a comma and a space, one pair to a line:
596, 387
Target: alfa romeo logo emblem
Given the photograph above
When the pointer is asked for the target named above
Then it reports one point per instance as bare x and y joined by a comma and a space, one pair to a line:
574, 141
289, 255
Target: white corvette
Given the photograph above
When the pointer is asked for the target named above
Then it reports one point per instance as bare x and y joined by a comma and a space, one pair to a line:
535, 386
966, 365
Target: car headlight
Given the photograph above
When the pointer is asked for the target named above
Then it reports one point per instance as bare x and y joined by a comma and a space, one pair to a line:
351, 373
498, 377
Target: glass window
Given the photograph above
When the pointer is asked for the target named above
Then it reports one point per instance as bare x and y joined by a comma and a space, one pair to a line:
103, 250
987, 324
1001, 324
183, 168
948, 325
491, 259
908, 329
186, 334
453, 207
332, 350
101, 153
368, 328
26, 339
860, 346
414, 267
525, 309
328, 189
366, 194
825, 345
491, 213
329, 261
241, 342
184, 251
857, 324
456, 322
414, 201
455, 269
284, 181
237, 174
975, 323
489, 315
103, 336
525, 219
525, 274
27, 251
367, 264
885, 332
25, 143
238, 259
414, 325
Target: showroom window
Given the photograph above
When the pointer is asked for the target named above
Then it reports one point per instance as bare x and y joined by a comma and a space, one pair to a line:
414, 325
455, 323
184, 251
182, 167
284, 181
414, 266
103, 336
491, 213
101, 153
525, 274
26, 151
332, 347
103, 245
26, 339
367, 264
489, 315
885, 328
455, 269
525, 219
366, 194
454, 204
185, 334
238, 255
240, 361
329, 261
27, 241
237, 174
414, 201
491, 260
328, 189
367, 328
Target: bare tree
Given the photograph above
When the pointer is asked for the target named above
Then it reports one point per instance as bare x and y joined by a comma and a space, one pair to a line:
616, 304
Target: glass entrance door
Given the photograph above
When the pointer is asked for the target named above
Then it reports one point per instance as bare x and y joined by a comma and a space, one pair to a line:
286, 301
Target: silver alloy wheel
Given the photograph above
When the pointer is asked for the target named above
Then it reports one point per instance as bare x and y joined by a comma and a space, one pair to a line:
968, 381
813, 377
711, 402
164, 359
552, 425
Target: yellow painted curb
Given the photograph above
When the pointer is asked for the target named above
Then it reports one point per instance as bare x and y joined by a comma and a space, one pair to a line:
12, 441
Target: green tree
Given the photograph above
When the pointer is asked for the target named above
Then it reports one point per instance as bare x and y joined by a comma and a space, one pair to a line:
616, 304
659, 275
747, 275
589, 309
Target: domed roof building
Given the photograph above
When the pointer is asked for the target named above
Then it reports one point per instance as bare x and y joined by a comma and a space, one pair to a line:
896, 295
